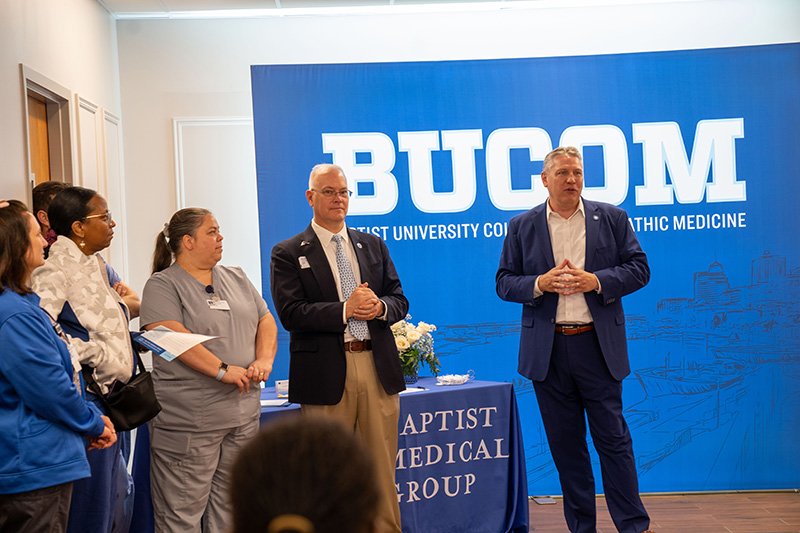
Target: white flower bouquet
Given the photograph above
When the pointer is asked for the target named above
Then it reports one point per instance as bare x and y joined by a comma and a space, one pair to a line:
415, 346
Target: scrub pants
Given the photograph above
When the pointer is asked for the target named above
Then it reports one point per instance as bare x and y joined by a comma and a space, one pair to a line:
190, 477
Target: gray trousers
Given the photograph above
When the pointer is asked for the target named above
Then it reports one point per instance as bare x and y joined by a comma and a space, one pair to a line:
38, 511
190, 477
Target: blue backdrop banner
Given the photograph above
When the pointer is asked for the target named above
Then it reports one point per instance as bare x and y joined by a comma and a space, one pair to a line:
440, 155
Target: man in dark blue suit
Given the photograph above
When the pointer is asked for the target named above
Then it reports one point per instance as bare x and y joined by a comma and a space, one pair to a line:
569, 262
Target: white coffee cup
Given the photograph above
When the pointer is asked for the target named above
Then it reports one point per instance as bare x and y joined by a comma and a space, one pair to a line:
282, 387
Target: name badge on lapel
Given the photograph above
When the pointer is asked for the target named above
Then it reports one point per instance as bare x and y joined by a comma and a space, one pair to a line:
303, 262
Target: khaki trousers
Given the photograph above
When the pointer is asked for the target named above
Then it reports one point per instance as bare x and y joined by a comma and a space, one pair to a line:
373, 415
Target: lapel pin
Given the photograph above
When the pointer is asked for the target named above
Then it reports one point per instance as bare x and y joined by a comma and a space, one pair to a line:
304, 243
358, 245
596, 217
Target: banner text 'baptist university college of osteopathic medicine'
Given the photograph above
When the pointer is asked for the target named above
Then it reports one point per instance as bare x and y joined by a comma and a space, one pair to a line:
698, 146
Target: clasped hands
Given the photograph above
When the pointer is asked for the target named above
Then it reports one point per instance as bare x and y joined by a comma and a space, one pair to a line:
107, 438
567, 279
257, 372
363, 304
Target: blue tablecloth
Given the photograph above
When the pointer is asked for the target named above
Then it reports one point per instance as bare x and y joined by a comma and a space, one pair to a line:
460, 464
461, 461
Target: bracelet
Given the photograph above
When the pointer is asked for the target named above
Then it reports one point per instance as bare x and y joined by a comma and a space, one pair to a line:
223, 367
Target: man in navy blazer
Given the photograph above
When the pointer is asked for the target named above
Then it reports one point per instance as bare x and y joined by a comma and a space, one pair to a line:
337, 366
569, 262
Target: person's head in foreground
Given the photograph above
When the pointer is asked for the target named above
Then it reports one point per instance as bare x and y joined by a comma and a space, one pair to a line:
304, 474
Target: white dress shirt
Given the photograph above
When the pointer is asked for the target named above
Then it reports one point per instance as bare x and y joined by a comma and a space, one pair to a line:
568, 238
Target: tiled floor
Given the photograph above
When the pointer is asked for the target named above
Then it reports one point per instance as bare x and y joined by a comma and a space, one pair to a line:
754, 512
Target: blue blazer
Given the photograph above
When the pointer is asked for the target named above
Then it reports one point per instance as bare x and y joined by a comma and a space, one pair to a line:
305, 296
613, 254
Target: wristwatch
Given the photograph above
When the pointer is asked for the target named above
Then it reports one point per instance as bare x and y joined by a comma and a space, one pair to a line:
223, 367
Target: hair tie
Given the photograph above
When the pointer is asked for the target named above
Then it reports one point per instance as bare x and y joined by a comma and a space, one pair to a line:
290, 522
165, 231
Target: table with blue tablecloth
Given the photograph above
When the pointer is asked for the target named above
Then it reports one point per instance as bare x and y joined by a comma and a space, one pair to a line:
460, 461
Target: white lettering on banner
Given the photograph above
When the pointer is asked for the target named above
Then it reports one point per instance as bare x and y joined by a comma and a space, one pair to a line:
467, 422
709, 221
434, 232
498, 230
462, 145
615, 159
663, 147
378, 172
498, 166
380, 231
690, 222
710, 173
657, 223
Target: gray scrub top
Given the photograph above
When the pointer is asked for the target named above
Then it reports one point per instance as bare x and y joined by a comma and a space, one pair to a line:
190, 400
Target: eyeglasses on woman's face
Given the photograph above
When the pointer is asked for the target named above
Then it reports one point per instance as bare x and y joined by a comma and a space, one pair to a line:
105, 217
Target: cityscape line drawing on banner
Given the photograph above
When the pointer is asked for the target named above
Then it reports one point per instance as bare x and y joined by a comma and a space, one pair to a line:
717, 351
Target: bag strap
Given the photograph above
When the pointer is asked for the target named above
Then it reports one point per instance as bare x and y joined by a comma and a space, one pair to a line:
139, 364
92, 385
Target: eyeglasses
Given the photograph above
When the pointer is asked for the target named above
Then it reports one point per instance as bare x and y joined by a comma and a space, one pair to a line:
330, 193
105, 217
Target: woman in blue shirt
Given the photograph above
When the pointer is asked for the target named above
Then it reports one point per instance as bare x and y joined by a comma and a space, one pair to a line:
44, 420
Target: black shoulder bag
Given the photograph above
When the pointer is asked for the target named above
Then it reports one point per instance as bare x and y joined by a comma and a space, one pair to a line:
130, 404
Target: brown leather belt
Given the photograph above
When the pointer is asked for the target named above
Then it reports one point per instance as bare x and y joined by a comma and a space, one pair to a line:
573, 329
358, 346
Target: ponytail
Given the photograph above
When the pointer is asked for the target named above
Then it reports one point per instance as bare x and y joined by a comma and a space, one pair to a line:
168, 241
162, 255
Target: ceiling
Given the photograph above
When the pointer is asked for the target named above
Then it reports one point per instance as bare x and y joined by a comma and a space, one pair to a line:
170, 8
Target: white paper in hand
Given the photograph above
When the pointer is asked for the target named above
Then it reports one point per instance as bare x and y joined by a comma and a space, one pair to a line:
170, 344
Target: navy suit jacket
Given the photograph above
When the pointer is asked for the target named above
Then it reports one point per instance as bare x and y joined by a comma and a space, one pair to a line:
308, 306
613, 254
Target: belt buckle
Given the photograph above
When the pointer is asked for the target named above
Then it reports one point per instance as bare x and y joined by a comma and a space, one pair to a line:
357, 346
570, 329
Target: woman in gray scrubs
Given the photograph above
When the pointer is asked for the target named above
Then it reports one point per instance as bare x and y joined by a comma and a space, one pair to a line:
210, 394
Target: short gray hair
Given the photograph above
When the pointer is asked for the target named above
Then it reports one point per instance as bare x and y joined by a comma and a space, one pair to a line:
569, 151
319, 169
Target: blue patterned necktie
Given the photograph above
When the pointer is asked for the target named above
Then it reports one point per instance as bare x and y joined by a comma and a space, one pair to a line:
348, 281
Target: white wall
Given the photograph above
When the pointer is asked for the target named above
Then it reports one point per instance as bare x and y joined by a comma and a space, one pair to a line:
200, 68
72, 42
